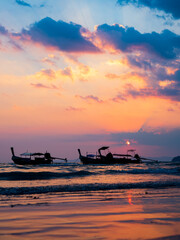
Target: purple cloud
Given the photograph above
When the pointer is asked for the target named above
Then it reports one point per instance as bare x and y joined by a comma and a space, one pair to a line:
119, 98
141, 62
89, 98
74, 109
171, 138
11, 41
168, 6
49, 73
175, 76
60, 35
162, 75
165, 45
67, 72
40, 85
171, 91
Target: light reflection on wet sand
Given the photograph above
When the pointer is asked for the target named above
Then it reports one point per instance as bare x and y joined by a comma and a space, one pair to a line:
132, 214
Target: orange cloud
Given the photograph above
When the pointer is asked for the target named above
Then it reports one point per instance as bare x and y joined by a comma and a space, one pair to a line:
51, 60
112, 76
48, 73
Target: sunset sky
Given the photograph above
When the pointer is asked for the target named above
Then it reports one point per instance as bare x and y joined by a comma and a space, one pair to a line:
86, 73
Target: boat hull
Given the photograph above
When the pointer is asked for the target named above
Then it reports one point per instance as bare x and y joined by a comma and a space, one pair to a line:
106, 161
28, 161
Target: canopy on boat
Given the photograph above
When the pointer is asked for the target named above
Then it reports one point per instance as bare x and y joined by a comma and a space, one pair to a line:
103, 148
31, 154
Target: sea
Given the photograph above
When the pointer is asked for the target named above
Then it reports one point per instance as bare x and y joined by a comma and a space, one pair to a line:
16, 180
75, 201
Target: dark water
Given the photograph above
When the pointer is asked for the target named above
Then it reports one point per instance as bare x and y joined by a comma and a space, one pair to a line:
68, 178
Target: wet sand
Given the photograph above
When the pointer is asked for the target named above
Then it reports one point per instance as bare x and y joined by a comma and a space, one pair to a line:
128, 214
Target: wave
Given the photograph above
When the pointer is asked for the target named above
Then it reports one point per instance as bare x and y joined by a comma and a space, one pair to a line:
15, 176
47, 175
86, 187
170, 171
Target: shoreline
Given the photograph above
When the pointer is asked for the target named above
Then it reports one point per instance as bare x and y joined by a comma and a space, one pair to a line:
123, 214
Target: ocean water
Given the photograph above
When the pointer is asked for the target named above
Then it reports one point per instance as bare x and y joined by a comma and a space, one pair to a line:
75, 201
16, 180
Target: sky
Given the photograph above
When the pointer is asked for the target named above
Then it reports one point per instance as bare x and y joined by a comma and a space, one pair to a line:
87, 73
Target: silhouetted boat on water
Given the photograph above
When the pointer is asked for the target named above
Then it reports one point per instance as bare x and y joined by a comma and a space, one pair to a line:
34, 158
110, 158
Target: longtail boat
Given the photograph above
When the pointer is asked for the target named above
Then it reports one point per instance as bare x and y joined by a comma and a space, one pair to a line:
110, 158
34, 158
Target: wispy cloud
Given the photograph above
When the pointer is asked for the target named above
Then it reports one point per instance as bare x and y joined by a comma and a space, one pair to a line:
119, 98
23, 3
67, 72
112, 76
40, 85
50, 59
74, 109
11, 43
48, 73
170, 91
90, 98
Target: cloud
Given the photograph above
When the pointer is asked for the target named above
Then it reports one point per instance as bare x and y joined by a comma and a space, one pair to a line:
62, 74
119, 98
70, 38
112, 76
3, 31
40, 85
67, 72
23, 3
48, 73
170, 77
140, 61
168, 6
153, 138
90, 98
51, 74
59, 35
51, 60
10, 41
175, 76
170, 91
127, 39
74, 109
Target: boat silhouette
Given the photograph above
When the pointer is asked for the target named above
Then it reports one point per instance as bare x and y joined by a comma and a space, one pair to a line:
110, 158
34, 158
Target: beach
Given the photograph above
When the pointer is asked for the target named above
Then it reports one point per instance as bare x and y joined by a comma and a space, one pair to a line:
77, 206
